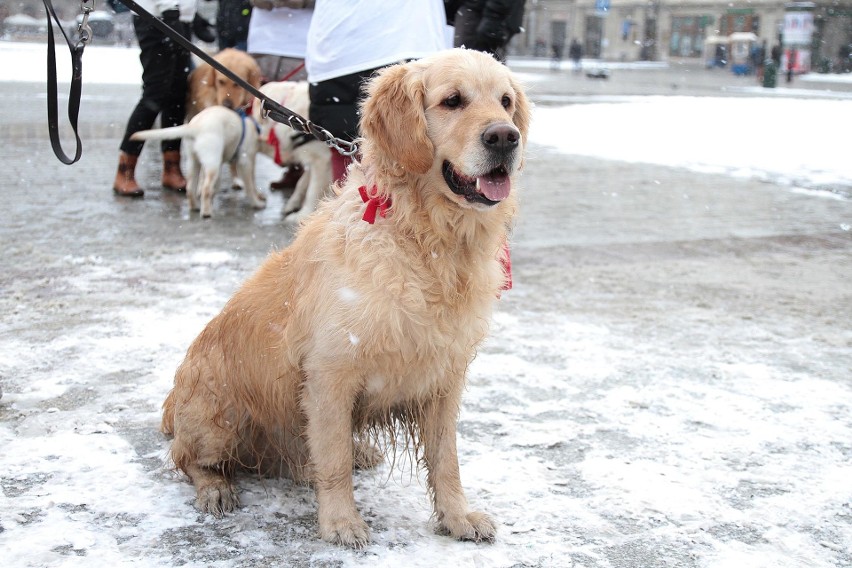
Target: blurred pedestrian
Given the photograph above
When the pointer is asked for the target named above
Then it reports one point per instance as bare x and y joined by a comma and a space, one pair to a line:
277, 39
556, 60
775, 55
758, 55
485, 25
165, 67
348, 41
575, 53
792, 57
232, 24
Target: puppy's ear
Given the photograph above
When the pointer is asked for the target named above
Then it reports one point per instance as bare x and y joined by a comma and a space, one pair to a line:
254, 75
206, 75
253, 79
393, 119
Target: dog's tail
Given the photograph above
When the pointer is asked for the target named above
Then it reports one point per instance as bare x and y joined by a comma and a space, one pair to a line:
180, 131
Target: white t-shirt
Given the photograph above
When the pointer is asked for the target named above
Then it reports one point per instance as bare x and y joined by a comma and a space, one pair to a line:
157, 7
280, 31
347, 36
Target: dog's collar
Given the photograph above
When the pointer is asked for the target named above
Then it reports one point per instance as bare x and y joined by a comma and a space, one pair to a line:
376, 203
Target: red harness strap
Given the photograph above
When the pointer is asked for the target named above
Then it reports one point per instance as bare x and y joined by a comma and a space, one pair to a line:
273, 141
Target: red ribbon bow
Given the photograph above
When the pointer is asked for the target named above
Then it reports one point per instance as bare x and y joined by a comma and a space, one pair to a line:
375, 203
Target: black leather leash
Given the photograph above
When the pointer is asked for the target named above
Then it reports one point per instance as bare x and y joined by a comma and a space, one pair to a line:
269, 107
76, 79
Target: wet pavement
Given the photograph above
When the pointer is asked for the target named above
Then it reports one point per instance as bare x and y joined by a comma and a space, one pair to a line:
677, 274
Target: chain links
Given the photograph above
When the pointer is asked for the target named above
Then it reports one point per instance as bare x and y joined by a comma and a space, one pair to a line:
300, 124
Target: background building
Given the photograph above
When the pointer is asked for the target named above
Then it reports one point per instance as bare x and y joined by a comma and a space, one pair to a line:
817, 33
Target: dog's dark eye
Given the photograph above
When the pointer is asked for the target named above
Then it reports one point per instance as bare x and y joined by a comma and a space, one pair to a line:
506, 101
453, 101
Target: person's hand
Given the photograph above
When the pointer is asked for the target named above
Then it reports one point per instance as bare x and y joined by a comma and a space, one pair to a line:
492, 32
203, 29
172, 19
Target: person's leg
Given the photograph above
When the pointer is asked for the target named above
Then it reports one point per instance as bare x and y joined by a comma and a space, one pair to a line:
146, 110
334, 107
173, 113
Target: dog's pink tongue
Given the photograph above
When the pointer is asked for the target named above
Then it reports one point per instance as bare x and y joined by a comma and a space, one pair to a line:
495, 188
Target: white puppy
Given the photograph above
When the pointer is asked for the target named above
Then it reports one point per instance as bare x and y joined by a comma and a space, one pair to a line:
286, 146
219, 135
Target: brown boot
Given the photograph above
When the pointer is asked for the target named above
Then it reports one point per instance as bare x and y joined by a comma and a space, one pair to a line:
172, 178
288, 181
125, 180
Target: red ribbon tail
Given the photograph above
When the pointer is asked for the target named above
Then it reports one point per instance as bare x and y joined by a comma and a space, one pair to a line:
506, 262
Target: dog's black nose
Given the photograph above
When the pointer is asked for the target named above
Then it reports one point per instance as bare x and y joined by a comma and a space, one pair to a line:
501, 137
228, 103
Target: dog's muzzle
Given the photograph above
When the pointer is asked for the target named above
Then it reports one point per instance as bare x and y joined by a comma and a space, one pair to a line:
501, 141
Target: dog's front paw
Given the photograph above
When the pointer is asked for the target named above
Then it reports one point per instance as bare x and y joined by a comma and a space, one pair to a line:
291, 206
473, 526
346, 531
216, 498
259, 202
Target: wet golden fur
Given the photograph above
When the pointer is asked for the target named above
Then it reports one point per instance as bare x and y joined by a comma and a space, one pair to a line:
357, 327
208, 87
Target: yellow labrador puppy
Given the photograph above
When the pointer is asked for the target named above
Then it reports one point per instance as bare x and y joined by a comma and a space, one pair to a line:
219, 135
368, 321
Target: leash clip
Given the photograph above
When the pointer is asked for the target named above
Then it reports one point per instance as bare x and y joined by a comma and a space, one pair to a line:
84, 29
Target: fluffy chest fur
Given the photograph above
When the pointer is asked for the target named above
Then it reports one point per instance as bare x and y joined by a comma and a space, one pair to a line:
401, 312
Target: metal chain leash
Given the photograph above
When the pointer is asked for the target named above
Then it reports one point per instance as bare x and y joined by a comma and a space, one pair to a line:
300, 124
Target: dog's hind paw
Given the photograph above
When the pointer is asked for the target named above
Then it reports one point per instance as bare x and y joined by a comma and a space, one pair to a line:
217, 499
474, 526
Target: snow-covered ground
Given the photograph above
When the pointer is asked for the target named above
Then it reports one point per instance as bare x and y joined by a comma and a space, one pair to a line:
715, 440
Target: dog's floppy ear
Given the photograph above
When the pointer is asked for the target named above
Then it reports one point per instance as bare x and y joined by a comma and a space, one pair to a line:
522, 115
253, 78
205, 75
393, 119
254, 75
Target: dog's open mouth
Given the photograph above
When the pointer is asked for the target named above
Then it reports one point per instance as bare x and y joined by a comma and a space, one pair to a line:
488, 189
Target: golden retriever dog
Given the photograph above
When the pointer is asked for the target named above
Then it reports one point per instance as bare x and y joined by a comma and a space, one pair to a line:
208, 87
362, 330
219, 135
286, 147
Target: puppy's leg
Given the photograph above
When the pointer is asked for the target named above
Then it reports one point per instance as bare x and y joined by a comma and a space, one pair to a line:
319, 173
297, 198
438, 432
209, 180
237, 181
245, 169
327, 403
192, 183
